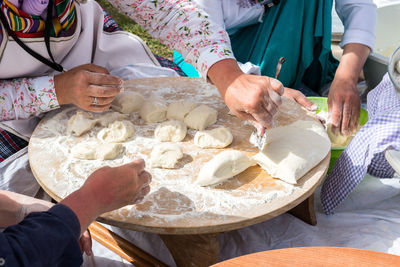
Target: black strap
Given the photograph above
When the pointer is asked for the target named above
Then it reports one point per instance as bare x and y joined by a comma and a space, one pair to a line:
52, 64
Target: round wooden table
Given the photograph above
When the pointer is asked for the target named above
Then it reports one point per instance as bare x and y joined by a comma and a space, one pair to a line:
314, 256
188, 218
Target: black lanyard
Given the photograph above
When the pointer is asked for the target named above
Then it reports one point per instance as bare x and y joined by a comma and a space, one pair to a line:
47, 30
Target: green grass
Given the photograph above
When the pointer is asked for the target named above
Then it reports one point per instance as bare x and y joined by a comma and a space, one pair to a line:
129, 25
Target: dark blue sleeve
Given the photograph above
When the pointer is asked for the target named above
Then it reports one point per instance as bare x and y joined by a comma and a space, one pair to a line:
43, 239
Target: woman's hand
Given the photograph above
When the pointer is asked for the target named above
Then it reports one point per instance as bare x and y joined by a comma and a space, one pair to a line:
298, 96
82, 85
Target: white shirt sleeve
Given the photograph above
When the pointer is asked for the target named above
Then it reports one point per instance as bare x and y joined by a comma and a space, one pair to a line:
26, 97
359, 20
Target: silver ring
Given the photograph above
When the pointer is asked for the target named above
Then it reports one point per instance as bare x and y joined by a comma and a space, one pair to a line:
95, 102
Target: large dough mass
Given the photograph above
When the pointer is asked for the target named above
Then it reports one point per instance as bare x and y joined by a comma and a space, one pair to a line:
293, 150
223, 166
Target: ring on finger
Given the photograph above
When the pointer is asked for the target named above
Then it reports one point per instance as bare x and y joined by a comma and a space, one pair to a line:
95, 102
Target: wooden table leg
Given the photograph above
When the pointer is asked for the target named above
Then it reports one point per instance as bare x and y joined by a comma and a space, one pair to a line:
305, 211
193, 250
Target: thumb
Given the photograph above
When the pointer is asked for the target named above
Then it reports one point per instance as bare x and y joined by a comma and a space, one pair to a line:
277, 86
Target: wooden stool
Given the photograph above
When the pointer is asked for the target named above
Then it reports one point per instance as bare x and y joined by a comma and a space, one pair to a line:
315, 256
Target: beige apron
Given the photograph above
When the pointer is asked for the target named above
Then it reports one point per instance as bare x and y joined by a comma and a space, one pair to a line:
88, 44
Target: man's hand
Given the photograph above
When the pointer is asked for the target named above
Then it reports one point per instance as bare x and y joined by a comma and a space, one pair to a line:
343, 98
108, 189
298, 96
80, 85
249, 97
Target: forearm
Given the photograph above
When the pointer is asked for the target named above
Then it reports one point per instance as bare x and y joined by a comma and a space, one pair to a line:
26, 97
183, 26
224, 73
352, 62
14, 207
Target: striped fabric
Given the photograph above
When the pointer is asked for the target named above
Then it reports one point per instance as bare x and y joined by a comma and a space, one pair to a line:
30, 26
10, 144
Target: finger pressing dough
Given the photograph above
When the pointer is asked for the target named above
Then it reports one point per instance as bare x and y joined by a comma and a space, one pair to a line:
127, 102
201, 117
338, 140
216, 138
170, 131
223, 166
153, 110
165, 156
292, 150
81, 123
178, 110
118, 131
93, 150
106, 118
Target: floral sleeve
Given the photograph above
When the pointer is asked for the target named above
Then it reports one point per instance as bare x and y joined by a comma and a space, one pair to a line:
183, 26
26, 97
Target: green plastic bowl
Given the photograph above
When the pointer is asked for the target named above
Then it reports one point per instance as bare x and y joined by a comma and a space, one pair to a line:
322, 104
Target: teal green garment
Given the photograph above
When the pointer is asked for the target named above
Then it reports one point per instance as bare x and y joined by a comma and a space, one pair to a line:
188, 69
300, 31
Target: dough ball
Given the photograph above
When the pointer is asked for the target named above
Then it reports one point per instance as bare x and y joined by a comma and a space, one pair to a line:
397, 66
170, 131
201, 117
215, 138
108, 151
337, 140
153, 110
223, 166
106, 118
93, 150
165, 156
118, 131
86, 150
127, 102
178, 110
292, 150
81, 123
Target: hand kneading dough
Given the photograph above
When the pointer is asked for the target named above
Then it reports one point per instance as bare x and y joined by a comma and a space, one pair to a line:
153, 110
222, 167
109, 117
118, 131
215, 138
165, 156
338, 140
93, 150
201, 117
81, 123
293, 150
127, 102
170, 131
178, 110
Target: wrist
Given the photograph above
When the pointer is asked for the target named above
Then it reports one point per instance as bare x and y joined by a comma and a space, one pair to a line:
58, 84
223, 73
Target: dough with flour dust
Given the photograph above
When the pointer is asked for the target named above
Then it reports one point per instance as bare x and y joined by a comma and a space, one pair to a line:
170, 131
223, 166
201, 117
109, 117
153, 110
127, 102
93, 150
178, 110
292, 150
118, 131
216, 138
165, 156
80, 123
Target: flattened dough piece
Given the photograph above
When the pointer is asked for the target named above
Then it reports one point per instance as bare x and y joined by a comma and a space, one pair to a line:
165, 156
127, 102
108, 117
216, 138
81, 123
153, 110
93, 150
85, 150
201, 117
118, 131
170, 131
178, 110
293, 150
223, 166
